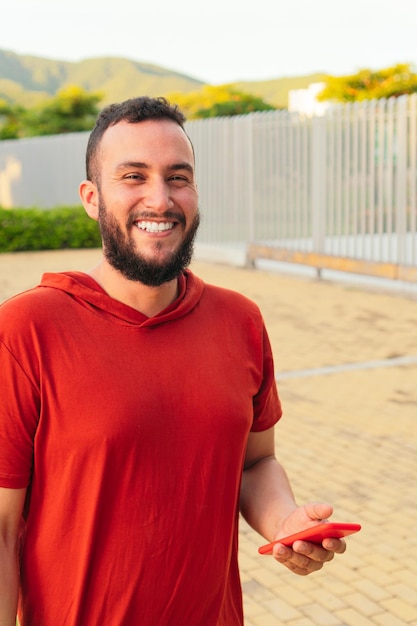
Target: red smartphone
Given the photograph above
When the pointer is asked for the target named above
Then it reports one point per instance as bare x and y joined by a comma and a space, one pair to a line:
315, 534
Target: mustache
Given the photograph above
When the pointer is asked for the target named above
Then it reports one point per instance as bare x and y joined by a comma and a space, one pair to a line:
169, 216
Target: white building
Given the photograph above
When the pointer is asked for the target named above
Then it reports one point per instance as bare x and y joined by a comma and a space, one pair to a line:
305, 100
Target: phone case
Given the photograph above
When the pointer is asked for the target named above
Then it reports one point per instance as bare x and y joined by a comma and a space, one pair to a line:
315, 534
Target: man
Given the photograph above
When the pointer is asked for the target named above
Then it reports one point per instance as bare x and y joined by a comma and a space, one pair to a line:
137, 412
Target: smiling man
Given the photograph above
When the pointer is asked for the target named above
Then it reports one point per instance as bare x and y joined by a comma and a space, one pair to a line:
141, 188
147, 208
137, 412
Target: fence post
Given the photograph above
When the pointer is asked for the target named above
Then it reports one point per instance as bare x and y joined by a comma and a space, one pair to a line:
401, 178
249, 177
318, 183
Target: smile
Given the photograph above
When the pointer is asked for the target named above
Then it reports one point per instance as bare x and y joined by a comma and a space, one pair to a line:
155, 227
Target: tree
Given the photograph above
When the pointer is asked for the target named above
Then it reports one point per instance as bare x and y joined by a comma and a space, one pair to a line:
371, 84
72, 110
223, 100
10, 120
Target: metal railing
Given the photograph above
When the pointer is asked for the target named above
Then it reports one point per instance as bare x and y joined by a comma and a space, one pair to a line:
342, 185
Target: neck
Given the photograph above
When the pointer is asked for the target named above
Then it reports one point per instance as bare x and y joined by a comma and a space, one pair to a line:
147, 300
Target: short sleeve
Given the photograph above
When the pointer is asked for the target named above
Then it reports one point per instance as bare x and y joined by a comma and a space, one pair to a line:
267, 408
19, 410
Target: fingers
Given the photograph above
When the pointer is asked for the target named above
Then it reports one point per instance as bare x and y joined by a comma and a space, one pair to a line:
304, 557
319, 511
335, 545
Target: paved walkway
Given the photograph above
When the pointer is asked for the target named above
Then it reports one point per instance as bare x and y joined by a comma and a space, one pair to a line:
346, 362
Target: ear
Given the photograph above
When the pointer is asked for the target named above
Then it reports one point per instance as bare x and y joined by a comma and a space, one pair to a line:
89, 197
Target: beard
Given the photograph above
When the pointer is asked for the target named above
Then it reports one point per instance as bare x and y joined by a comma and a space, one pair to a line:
120, 250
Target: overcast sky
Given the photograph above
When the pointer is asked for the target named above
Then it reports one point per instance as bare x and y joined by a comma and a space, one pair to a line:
222, 40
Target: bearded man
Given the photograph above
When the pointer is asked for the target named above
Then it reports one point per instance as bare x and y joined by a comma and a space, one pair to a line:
137, 412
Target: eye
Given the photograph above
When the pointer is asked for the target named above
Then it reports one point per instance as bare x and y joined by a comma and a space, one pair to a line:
133, 176
178, 179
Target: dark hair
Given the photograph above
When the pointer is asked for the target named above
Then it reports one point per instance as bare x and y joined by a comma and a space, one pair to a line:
133, 111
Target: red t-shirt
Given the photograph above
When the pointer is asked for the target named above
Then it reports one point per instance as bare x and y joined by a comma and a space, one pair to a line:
130, 434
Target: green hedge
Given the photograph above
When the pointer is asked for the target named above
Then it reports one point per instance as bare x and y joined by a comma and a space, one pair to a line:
53, 229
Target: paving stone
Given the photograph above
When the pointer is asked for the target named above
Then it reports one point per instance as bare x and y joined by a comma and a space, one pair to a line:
351, 617
400, 609
372, 590
405, 592
267, 619
317, 614
362, 604
387, 619
282, 609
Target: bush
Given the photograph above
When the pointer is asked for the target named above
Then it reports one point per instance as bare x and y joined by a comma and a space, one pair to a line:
54, 229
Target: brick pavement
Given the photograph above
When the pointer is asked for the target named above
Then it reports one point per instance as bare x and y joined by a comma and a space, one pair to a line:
348, 437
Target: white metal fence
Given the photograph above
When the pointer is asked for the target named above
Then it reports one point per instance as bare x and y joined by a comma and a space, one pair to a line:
344, 184
42, 171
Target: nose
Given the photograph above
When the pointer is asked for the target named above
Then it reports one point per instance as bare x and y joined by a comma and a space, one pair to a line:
158, 195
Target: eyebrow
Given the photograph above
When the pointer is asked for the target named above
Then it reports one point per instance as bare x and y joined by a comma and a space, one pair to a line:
144, 166
182, 166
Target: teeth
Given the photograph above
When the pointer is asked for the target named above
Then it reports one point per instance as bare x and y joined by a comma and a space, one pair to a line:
155, 227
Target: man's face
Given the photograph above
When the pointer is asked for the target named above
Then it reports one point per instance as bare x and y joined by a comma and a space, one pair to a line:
148, 204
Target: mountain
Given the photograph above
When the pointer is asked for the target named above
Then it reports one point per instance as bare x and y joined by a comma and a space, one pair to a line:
27, 80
